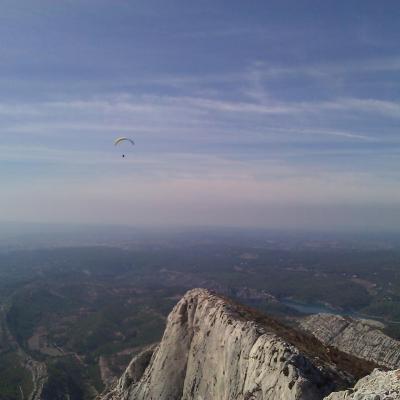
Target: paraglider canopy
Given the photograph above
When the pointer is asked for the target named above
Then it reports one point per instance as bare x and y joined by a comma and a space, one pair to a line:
122, 139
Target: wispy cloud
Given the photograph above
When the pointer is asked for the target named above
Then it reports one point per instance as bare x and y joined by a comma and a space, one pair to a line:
326, 70
234, 111
154, 104
371, 106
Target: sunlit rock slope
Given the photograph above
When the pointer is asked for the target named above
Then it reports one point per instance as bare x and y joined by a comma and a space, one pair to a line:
215, 349
359, 338
377, 386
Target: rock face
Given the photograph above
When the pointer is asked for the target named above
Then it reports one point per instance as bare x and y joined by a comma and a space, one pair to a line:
354, 337
377, 386
213, 349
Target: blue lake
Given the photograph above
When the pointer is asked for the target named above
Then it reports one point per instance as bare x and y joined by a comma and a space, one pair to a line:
313, 308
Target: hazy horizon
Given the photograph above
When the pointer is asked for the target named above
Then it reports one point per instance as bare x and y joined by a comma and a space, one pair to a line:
268, 115
11, 229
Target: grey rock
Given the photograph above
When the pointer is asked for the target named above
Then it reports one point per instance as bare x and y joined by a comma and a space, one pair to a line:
210, 350
132, 375
356, 337
379, 385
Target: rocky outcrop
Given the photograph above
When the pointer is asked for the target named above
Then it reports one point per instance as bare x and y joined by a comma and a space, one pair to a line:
377, 386
359, 338
214, 349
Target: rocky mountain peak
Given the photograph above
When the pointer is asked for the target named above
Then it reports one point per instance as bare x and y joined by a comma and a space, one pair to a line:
213, 348
361, 338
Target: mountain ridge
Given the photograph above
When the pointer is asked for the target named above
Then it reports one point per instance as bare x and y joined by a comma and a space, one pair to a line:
354, 337
213, 348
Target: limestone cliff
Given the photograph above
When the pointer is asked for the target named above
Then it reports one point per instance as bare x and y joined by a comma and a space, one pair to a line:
358, 338
377, 386
213, 349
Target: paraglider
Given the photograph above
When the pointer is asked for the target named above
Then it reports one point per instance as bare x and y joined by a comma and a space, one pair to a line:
123, 139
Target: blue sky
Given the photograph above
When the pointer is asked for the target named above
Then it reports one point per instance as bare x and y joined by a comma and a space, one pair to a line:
274, 114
